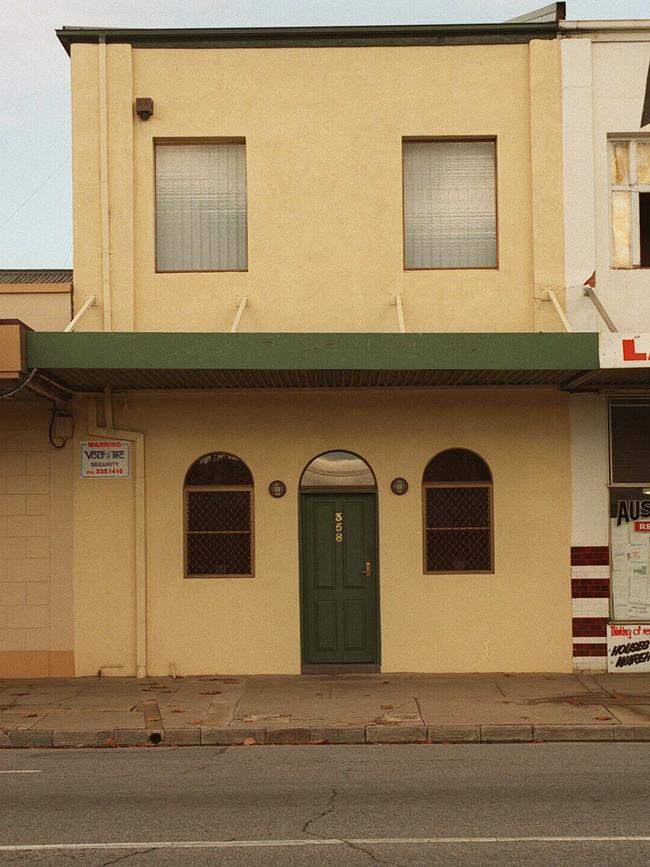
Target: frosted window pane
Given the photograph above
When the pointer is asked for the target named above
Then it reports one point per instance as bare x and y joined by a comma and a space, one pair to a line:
619, 167
450, 204
201, 207
622, 229
643, 162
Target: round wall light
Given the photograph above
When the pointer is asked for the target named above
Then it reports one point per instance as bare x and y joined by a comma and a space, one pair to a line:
399, 486
277, 489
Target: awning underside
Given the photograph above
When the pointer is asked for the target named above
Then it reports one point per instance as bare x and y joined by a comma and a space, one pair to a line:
96, 380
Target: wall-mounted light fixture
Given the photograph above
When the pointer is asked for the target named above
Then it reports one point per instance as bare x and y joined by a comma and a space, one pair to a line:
144, 107
277, 489
399, 486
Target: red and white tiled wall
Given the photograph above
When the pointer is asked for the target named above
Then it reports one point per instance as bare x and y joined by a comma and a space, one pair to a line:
589, 530
590, 600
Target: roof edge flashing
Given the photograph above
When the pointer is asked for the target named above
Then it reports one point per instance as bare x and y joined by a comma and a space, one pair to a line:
252, 37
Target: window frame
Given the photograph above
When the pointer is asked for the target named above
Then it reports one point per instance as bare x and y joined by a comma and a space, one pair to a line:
457, 138
189, 489
451, 484
634, 188
181, 141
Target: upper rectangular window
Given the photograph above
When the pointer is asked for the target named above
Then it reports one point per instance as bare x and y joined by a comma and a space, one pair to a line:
201, 206
629, 174
450, 216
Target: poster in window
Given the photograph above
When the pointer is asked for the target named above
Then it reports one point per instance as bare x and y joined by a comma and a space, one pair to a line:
630, 553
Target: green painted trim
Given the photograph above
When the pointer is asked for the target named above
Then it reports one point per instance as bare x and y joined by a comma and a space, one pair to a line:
303, 351
313, 37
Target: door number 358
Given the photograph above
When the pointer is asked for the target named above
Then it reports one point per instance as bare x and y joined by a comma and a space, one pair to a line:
338, 526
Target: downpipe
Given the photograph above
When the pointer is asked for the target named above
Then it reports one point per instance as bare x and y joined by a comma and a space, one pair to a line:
137, 438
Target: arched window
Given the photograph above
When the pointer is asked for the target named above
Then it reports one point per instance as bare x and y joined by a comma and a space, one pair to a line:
457, 493
218, 496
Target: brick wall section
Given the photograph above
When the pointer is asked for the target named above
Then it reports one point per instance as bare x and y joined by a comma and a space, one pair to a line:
590, 556
590, 582
35, 592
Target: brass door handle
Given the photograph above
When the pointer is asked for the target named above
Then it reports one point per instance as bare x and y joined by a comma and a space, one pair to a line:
366, 571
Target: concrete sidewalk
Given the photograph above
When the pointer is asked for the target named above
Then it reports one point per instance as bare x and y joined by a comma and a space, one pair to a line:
346, 709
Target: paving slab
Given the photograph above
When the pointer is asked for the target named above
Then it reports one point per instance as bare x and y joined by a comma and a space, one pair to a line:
80, 720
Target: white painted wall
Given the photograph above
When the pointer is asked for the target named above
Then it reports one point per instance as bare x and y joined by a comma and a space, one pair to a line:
589, 470
579, 196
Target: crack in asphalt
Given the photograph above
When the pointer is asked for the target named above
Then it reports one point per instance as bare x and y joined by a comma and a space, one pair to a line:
329, 809
130, 855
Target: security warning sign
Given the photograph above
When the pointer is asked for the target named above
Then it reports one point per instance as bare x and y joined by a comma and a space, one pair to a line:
628, 647
106, 459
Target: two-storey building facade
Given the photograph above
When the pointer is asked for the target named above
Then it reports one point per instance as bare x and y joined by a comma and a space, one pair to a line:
319, 379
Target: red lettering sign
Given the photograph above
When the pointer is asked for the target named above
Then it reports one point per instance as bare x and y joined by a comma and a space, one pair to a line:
630, 353
642, 526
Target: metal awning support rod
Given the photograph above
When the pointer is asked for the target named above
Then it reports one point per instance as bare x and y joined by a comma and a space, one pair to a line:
243, 303
552, 297
396, 301
89, 302
590, 292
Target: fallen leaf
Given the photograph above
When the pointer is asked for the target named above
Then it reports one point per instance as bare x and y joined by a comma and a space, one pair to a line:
195, 722
176, 710
249, 742
211, 692
27, 715
608, 718
387, 707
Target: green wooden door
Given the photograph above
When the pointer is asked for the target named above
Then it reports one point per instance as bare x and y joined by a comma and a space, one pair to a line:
340, 602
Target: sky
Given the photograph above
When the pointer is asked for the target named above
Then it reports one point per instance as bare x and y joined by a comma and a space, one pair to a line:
35, 181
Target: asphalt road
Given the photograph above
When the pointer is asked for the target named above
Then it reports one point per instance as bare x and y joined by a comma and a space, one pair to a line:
397, 805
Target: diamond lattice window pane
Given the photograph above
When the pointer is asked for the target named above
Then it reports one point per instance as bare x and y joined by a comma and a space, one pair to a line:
219, 510
218, 554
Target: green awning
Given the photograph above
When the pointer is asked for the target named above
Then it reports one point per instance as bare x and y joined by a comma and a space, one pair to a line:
90, 361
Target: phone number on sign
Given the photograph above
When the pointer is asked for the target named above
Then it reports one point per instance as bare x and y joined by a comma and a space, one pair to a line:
107, 472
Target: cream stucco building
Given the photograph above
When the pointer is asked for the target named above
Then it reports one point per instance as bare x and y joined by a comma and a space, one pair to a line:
314, 406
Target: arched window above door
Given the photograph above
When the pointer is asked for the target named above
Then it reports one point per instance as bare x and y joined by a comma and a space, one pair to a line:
457, 508
338, 469
218, 494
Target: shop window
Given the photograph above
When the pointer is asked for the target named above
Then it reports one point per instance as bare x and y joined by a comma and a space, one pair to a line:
218, 517
201, 206
629, 161
450, 218
629, 509
457, 503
